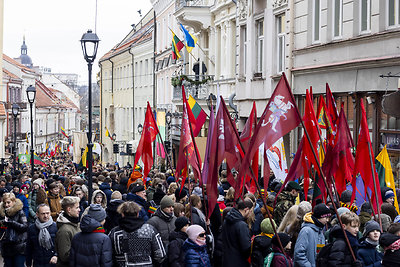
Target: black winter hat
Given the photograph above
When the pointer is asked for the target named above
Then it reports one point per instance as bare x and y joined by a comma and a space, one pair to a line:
137, 188
180, 222
285, 238
346, 196
16, 184
180, 194
387, 239
321, 211
371, 226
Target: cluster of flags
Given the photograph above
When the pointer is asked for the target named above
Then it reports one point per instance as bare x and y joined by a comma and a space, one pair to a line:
326, 157
177, 44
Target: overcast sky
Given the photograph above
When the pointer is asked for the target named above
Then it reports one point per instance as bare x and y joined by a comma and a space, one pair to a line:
53, 28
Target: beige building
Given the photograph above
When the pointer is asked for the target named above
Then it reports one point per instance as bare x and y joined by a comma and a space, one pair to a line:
126, 84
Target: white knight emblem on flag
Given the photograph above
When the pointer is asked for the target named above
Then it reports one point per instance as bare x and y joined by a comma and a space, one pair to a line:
278, 109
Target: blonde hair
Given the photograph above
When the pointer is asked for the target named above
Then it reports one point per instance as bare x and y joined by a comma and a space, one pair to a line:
350, 218
230, 195
129, 208
9, 196
172, 187
68, 202
289, 218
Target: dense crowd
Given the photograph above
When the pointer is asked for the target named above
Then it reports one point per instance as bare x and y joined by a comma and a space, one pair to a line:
46, 220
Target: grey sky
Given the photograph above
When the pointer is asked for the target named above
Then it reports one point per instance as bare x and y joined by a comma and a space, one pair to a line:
53, 29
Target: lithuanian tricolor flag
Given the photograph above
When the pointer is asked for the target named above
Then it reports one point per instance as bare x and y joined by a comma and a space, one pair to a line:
63, 132
26, 158
198, 113
177, 46
385, 173
108, 134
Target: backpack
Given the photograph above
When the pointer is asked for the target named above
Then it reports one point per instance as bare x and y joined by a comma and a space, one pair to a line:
268, 259
323, 256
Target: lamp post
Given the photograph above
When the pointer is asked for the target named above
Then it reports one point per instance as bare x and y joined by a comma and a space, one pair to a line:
31, 93
15, 111
140, 128
90, 42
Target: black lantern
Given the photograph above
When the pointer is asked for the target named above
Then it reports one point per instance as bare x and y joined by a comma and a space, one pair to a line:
140, 128
89, 43
15, 110
168, 118
31, 94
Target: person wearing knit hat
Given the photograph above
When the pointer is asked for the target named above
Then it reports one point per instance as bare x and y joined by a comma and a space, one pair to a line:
389, 197
279, 257
164, 220
92, 239
311, 237
367, 252
285, 200
195, 247
261, 244
176, 255
181, 195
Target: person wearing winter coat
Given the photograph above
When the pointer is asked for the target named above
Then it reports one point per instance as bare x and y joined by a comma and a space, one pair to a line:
13, 218
365, 215
134, 242
36, 197
311, 237
53, 200
68, 227
164, 219
112, 215
83, 203
91, 247
41, 239
286, 199
21, 196
106, 188
138, 195
236, 235
391, 244
176, 256
193, 211
340, 253
195, 247
261, 244
367, 252
279, 258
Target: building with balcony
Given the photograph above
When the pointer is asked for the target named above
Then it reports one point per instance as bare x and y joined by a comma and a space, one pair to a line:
126, 84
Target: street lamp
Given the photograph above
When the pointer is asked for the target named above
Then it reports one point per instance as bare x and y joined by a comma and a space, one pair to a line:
31, 93
89, 43
15, 111
140, 128
168, 118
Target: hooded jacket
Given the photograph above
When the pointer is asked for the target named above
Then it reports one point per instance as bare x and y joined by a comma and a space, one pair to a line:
144, 206
340, 254
176, 256
195, 255
66, 231
280, 260
18, 224
106, 188
369, 255
112, 215
260, 249
164, 224
236, 240
305, 250
391, 256
136, 243
89, 248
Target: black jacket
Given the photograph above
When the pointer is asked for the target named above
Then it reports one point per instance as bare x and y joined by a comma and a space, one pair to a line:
112, 215
261, 247
369, 255
90, 248
197, 220
106, 188
391, 257
236, 240
176, 256
340, 254
34, 251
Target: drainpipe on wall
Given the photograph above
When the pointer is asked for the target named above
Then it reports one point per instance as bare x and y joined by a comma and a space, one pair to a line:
101, 107
154, 61
291, 43
133, 92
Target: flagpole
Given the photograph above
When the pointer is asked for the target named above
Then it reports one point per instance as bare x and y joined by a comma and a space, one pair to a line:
165, 151
206, 54
323, 176
258, 186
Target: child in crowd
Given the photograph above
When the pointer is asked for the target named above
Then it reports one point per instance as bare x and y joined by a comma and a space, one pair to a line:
367, 252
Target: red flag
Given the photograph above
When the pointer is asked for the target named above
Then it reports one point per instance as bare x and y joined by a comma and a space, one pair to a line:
224, 143
188, 152
279, 117
149, 134
363, 163
332, 114
339, 161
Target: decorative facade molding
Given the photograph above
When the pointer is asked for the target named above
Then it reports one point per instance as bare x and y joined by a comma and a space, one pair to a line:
279, 3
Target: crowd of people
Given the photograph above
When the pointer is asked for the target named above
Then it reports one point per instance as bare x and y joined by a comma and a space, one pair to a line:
46, 220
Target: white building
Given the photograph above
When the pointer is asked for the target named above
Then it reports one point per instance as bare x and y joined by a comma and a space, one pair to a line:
126, 84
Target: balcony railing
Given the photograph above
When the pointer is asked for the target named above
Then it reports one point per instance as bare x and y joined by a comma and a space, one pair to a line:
198, 89
188, 3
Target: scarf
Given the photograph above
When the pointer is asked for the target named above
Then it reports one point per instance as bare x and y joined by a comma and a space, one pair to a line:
200, 242
317, 222
99, 229
44, 235
71, 219
201, 214
372, 242
394, 246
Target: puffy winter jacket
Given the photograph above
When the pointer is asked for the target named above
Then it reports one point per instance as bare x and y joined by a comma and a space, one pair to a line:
340, 254
391, 256
195, 255
89, 248
17, 224
34, 251
236, 240
25, 204
66, 231
305, 250
144, 206
136, 243
106, 188
176, 256
164, 224
369, 255
112, 215
261, 247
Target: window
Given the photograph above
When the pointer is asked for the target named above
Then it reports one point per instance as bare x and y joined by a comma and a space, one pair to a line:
337, 18
316, 20
365, 15
393, 12
260, 45
243, 50
281, 43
